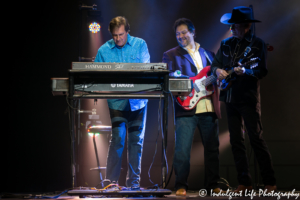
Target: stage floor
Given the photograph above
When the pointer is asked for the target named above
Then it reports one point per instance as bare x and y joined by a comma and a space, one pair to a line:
190, 195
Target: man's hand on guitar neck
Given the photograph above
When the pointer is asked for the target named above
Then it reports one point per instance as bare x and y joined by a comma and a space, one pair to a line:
221, 74
239, 70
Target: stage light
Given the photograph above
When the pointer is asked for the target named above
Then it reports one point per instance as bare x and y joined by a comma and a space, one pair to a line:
94, 27
92, 134
97, 129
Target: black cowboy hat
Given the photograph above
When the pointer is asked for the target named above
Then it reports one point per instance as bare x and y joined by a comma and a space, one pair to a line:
240, 14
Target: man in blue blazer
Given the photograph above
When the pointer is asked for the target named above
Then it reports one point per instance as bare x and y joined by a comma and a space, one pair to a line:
189, 58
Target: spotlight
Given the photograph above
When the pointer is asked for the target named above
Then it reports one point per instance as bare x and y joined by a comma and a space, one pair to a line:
94, 27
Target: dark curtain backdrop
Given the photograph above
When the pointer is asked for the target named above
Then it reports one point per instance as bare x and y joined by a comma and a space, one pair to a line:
42, 39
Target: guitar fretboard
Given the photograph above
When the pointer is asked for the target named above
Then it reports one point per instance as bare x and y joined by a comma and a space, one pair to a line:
209, 80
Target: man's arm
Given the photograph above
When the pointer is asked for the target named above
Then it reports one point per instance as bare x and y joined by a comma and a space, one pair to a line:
166, 59
216, 66
99, 57
145, 56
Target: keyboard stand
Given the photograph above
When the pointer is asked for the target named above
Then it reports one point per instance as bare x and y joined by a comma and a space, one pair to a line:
124, 77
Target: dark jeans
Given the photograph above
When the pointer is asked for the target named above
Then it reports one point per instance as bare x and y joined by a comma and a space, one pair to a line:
207, 124
252, 120
135, 122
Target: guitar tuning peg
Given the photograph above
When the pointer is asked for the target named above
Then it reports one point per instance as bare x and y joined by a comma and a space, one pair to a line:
254, 65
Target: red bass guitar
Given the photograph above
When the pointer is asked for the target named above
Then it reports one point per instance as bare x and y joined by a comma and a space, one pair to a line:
200, 90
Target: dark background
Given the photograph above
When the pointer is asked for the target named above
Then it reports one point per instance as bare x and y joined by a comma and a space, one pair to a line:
42, 39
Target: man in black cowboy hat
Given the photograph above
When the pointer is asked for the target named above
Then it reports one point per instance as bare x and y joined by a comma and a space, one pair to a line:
242, 99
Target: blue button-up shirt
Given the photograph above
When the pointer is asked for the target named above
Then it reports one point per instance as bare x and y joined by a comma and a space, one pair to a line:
134, 51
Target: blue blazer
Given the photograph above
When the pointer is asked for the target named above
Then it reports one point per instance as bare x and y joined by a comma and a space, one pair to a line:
179, 59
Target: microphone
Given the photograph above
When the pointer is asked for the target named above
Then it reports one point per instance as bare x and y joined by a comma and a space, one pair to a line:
247, 50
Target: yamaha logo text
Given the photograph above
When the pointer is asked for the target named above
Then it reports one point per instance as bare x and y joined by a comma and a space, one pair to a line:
122, 85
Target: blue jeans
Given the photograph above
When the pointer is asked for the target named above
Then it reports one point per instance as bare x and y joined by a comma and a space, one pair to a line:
135, 122
207, 124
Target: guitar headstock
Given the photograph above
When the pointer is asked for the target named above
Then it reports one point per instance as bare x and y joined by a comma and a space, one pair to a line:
252, 63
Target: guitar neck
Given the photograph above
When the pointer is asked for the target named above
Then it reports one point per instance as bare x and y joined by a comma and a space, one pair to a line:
245, 65
209, 80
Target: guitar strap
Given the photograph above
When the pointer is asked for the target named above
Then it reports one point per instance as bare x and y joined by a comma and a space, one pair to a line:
206, 55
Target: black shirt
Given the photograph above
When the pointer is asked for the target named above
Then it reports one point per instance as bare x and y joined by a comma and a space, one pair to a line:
246, 88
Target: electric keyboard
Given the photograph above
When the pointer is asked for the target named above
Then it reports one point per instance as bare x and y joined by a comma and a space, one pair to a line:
117, 66
177, 86
112, 80
94, 80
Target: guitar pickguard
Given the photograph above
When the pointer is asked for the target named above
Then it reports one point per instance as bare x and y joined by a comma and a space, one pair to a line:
200, 82
199, 92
